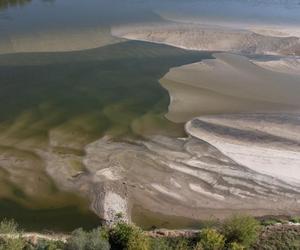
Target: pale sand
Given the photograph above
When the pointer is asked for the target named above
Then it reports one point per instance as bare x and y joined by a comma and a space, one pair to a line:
208, 37
263, 28
290, 65
230, 84
58, 41
191, 178
262, 142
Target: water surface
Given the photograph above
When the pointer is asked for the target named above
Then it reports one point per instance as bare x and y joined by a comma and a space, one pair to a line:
63, 101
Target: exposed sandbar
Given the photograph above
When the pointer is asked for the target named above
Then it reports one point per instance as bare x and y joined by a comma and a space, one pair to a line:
208, 37
222, 167
229, 84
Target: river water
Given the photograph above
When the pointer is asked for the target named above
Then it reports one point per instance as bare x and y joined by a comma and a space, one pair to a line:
65, 82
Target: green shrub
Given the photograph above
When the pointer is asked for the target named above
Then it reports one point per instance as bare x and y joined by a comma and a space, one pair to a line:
210, 239
295, 219
9, 227
279, 237
12, 244
98, 240
13, 241
269, 222
235, 246
93, 240
159, 244
120, 234
129, 237
182, 244
78, 240
198, 246
241, 229
173, 243
49, 245
138, 241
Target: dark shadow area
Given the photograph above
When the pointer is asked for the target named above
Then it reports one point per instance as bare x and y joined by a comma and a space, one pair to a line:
63, 219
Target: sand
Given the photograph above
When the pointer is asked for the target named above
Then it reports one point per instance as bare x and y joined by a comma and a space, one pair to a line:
209, 37
290, 65
266, 143
230, 84
208, 173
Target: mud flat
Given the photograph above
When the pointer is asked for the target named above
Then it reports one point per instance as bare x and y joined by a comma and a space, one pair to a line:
231, 84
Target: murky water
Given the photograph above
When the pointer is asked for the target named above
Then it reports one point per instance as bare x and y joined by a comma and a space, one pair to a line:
66, 81
65, 100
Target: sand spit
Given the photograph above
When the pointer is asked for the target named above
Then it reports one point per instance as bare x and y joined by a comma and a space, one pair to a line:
222, 167
57, 41
232, 84
209, 37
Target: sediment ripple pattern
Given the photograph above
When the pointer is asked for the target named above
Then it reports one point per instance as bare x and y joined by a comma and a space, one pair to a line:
203, 174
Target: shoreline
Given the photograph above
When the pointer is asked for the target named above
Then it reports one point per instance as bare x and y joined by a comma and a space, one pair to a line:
34, 236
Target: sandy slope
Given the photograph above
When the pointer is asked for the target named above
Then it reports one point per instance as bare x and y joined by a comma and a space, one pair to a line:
229, 84
290, 65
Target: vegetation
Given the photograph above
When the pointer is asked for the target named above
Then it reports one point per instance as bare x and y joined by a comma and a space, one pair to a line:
210, 239
236, 233
284, 237
236, 246
9, 227
296, 219
46, 245
129, 237
95, 239
176, 243
241, 229
15, 242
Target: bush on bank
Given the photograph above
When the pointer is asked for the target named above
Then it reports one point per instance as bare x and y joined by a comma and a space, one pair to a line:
241, 229
236, 233
210, 239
